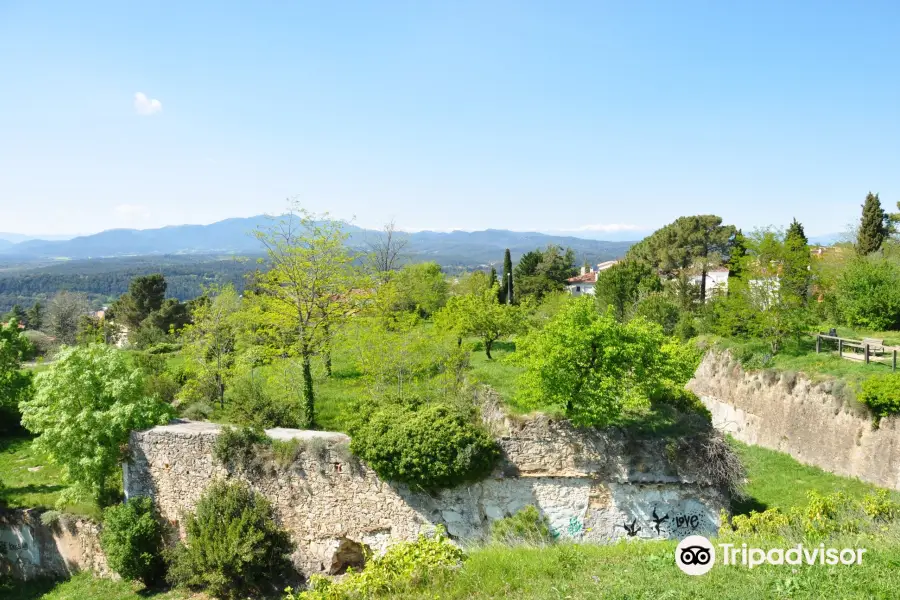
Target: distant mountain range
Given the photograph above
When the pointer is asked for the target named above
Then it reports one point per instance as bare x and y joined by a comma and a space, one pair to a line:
233, 236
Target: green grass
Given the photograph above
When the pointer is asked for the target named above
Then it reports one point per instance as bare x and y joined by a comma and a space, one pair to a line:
31, 489
646, 571
801, 357
84, 587
776, 480
498, 372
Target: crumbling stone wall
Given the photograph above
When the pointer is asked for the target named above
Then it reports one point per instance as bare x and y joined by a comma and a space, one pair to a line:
790, 413
30, 550
592, 486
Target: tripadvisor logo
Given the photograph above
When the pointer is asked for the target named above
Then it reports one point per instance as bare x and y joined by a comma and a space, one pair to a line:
695, 555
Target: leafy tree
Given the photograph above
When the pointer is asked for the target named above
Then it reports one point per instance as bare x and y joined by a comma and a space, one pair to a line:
623, 285
132, 540
233, 547
480, 315
868, 294
307, 290
84, 407
209, 346
406, 359
473, 283
63, 314
506, 285
736, 256
35, 316
541, 272
779, 309
660, 309
15, 385
422, 288
698, 242
592, 366
873, 227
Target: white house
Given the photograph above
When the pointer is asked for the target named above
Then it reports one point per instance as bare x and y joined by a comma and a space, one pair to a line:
582, 284
587, 280
716, 281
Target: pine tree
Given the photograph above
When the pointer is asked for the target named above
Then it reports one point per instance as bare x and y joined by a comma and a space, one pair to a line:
506, 286
872, 227
35, 316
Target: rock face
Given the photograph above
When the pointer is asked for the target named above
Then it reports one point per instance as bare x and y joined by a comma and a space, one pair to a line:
790, 413
30, 550
592, 485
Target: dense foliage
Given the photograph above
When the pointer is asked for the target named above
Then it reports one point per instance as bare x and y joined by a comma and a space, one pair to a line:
873, 227
868, 294
132, 540
593, 367
528, 526
15, 385
233, 546
429, 447
83, 409
881, 393
404, 565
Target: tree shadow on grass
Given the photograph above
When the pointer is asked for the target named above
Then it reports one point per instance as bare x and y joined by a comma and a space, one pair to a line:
745, 505
26, 590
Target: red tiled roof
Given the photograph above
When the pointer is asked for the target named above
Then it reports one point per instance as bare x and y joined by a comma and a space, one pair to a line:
586, 278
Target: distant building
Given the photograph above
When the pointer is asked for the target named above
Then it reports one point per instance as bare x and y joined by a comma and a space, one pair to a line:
586, 281
716, 281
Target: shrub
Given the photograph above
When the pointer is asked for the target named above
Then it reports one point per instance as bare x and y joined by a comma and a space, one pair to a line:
249, 403
528, 526
868, 294
41, 343
241, 448
233, 546
404, 565
430, 448
132, 539
881, 393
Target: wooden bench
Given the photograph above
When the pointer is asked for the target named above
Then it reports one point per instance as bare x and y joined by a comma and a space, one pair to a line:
876, 346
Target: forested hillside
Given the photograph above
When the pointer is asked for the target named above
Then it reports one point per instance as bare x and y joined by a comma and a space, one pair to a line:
103, 280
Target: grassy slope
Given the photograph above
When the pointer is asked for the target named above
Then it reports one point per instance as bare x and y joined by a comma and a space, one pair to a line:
31, 489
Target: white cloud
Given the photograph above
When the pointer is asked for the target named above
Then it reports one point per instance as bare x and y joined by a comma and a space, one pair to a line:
132, 212
145, 106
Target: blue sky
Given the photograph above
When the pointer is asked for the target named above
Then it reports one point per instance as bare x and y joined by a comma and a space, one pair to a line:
517, 115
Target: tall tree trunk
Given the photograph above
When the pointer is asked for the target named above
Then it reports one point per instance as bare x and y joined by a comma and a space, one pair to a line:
327, 351
309, 418
703, 273
487, 348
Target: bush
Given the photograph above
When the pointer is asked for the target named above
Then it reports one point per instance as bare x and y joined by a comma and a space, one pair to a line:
132, 540
404, 565
241, 448
249, 403
233, 546
881, 393
528, 526
868, 294
430, 448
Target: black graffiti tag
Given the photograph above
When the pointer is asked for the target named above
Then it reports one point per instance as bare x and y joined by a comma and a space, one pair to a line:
683, 521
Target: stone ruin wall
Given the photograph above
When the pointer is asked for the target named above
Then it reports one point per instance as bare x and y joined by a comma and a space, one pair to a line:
592, 486
792, 414
30, 550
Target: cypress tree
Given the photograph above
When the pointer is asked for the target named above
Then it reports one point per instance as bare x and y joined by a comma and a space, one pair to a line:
796, 275
506, 286
872, 227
